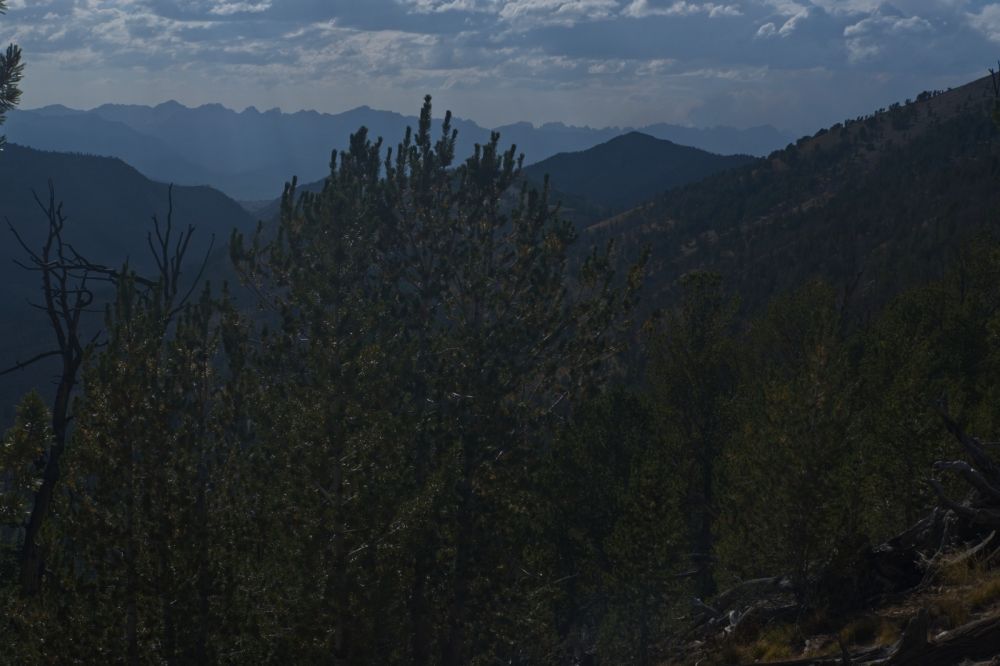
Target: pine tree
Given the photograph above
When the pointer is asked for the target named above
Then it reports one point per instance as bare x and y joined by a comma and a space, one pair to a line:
11, 72
791, 494
693, 374
431, 340
22, 453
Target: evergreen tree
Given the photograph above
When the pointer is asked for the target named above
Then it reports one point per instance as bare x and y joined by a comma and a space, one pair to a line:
615, 528
11, 71
22, 452
431, 341
693, 374
790, 492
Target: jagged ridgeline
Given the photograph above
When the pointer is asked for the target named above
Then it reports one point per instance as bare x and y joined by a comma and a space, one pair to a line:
249, 154
885, 196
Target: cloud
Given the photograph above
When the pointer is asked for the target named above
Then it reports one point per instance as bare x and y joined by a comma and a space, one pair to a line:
438, 6
533, 13
987, 21
592, 61
644, 8
229, 8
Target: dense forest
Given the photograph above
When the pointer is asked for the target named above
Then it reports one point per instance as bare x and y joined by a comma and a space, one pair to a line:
452, 428
889, 196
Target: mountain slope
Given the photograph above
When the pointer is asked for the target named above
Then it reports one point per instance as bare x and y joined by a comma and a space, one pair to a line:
108, 206
760, 141
64, 130
884, 197
250, 154
630, 169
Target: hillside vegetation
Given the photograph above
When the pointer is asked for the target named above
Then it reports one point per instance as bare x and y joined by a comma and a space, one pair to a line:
445, 432
884, 197
629, 170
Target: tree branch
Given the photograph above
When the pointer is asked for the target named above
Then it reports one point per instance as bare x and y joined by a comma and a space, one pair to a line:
21, 365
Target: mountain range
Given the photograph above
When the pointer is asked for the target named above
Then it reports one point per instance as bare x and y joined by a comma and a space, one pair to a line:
250, 154
877, 203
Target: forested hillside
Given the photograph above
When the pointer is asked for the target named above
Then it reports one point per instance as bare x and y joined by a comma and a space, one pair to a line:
445, 432
886, 197
629, 170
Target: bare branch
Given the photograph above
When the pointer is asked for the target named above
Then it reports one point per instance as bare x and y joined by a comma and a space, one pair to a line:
971, 445
21, 365
973, 477
197, 279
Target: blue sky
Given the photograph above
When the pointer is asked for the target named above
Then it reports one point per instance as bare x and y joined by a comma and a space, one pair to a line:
797, 64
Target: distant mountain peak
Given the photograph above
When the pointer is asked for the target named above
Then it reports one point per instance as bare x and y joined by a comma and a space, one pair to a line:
170, 104
629, 169
56, 110
639, 135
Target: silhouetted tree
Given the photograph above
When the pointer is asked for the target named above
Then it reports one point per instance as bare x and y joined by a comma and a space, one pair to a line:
11, 71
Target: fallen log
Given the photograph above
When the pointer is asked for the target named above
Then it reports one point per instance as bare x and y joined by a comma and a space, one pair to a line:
870, 656
940, 560
724, 600
971, 476
976, 640
972, 446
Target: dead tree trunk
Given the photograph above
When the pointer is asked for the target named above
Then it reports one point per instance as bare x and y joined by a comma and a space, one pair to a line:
66, 282
66, 297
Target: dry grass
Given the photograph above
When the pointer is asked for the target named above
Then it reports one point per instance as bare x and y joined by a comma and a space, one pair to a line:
985, 595
775, 642
862, 631
962, 590
869, 630
971, 587
949, 610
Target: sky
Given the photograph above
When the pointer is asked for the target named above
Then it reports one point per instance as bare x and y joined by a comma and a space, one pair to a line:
796, 64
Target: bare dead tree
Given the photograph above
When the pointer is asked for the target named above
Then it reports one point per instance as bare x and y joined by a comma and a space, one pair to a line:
66, 290
67, 280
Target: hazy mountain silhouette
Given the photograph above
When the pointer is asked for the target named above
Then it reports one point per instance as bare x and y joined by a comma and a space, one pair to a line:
250, 154
65, 130
629, 169
759, 141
